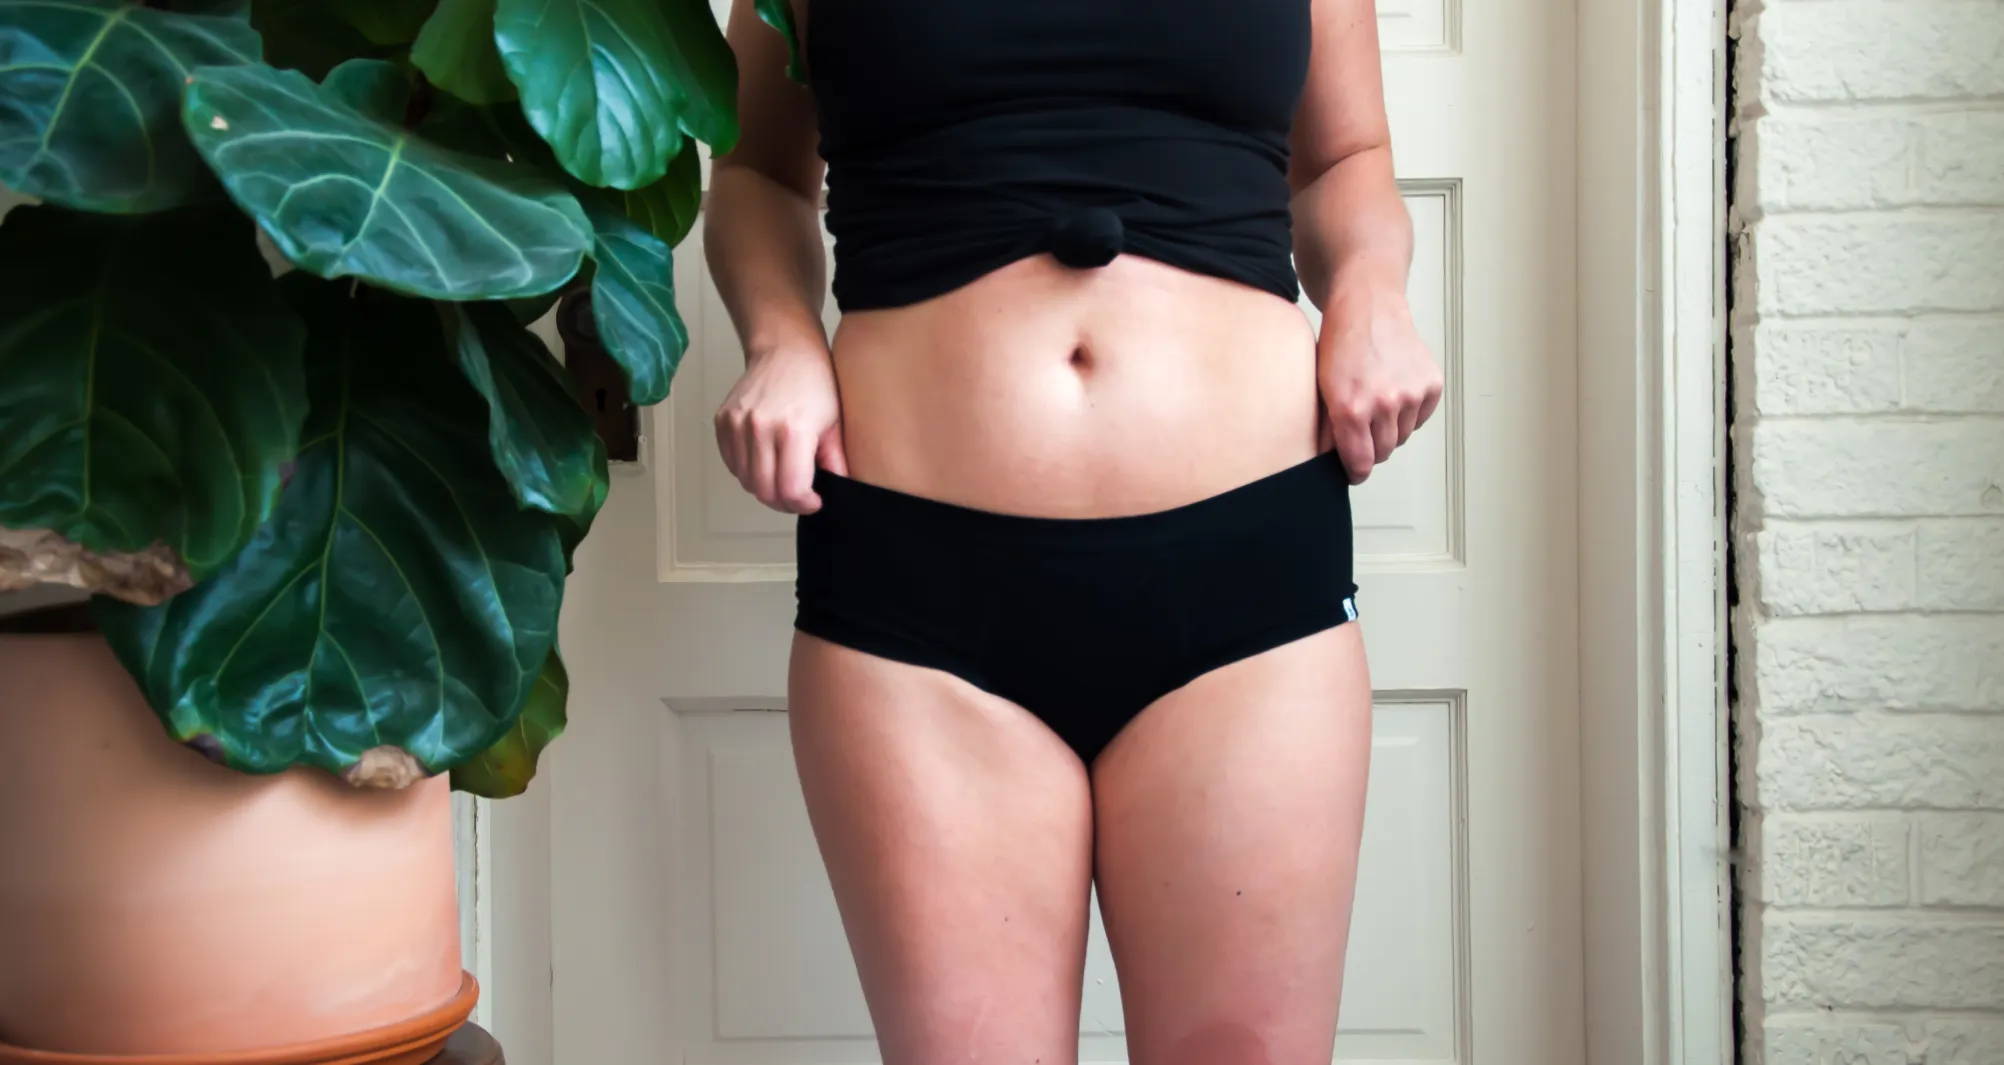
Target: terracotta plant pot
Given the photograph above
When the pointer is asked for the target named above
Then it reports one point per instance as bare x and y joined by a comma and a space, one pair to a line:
153, 903
410, 1042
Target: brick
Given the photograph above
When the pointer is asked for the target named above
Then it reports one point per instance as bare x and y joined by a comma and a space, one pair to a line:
1871, 50
1820, 159
1936, 366
1822, 1043
1836, 963
1833, 862
1953, 365
1961, 564
1808, 160
1790, 1040
1960, 158
1896, 263
1824, 369
1962, 1041
1880, 761
1961, 860
1843, 467
1904, 662
1825, 568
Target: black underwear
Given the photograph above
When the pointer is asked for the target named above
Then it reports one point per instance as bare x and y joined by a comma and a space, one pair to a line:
1082, 621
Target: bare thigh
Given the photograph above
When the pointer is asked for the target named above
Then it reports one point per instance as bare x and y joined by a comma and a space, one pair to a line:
957, 833
1228, 816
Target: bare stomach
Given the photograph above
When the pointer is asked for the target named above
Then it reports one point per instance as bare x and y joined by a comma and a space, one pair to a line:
1040, 389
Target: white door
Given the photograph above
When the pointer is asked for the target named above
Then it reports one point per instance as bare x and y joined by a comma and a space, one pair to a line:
691, 920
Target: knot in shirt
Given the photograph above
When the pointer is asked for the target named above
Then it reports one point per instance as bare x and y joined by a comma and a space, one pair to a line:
1086, 237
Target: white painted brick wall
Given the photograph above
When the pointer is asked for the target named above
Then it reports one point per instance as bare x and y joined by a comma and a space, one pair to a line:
1868, 357
1938, 1041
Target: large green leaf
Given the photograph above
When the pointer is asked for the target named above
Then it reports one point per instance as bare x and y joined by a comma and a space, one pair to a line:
150, 380
505, 769
90, 100
398, 600
498, 131
779, 15
613, 85
667, 208
542, 439
633, 299
343, 193
456, 52
371, 88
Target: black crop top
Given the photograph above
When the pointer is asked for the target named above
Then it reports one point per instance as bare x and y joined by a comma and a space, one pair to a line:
962, 135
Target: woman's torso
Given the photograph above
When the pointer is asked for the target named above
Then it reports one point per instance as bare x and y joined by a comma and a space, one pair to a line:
1044, 388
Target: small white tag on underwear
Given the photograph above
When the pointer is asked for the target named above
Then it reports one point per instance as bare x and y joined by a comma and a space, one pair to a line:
1349, 608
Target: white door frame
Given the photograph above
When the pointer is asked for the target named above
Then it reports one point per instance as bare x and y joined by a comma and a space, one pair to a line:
1652, 531
1651, 129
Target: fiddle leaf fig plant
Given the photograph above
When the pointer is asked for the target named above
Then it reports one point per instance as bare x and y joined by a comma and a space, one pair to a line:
269, 385
398, 596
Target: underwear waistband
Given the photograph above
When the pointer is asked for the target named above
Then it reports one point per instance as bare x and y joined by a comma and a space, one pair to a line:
1320, 478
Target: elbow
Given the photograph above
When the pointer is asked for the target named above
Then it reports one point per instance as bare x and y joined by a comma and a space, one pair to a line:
739, 168
1373, 153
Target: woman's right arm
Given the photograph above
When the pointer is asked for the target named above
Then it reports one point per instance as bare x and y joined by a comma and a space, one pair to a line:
762, 240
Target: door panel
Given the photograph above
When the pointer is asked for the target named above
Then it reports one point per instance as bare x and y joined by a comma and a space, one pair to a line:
692, 913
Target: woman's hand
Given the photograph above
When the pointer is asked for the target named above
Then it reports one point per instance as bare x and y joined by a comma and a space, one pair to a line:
1379, 382
781, 419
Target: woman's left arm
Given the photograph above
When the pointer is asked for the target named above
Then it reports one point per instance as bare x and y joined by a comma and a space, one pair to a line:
1353, 244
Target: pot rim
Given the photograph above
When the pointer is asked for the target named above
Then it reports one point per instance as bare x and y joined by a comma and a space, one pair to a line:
374, 1044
